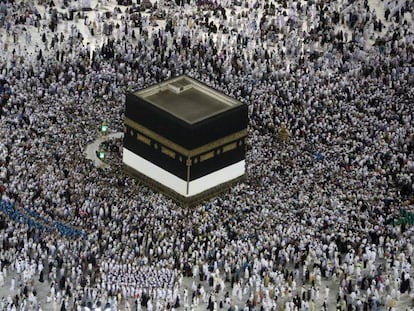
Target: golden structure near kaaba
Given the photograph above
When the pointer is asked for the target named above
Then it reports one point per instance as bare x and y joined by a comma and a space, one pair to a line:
185, 138
283, 134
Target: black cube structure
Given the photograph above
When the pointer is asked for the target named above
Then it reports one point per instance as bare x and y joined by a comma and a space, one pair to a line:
185, 138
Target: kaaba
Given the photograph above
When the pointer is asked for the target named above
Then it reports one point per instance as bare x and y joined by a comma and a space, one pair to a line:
185, 138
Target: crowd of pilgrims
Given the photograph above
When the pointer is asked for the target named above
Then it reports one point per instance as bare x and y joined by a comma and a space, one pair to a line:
322, 207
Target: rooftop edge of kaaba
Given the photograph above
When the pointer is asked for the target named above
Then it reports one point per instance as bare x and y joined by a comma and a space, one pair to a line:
193, 144
177, 95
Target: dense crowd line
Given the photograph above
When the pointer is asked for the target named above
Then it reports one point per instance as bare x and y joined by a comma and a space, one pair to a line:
321, 207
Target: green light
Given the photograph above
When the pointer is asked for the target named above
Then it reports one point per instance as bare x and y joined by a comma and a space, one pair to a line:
101, 155
104, 128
